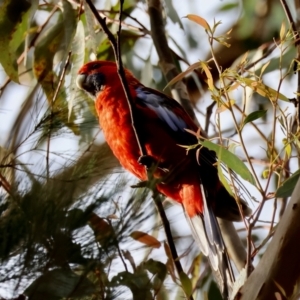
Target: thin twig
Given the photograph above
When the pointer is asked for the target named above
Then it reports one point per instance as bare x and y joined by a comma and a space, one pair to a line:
297, 45
115, 43
165, 55
60, 82
121, 72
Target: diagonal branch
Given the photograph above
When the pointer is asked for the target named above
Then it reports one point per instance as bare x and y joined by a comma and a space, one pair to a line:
165, 55
115, 44
278, 270
167, 64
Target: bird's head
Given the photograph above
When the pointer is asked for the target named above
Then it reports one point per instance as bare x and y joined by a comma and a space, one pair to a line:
95, 76
92, 77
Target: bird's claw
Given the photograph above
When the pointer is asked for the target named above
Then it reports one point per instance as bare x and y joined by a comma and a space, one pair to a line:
147, 161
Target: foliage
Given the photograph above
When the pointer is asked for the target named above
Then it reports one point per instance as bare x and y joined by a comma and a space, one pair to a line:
67, 214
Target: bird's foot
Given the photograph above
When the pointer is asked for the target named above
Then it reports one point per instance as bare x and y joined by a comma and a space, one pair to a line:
147, 161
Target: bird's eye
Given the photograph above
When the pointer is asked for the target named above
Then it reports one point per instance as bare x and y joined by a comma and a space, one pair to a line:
95, 66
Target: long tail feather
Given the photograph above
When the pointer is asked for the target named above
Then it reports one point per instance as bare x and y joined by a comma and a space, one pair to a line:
207, 234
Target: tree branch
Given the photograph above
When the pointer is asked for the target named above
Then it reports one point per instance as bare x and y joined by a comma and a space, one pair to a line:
165, 55
278, 270
115, 43
170, 71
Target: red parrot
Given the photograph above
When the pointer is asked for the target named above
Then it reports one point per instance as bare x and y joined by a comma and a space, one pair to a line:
161, 123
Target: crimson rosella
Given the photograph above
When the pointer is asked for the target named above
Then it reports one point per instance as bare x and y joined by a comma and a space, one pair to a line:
161, 123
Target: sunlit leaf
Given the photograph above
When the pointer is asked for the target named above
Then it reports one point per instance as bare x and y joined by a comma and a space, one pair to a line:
146, 239
183, 74
199, 20
264, 67
225, 106
210, 81
287, 147
186, 284
265, 174
282, 31
231, 160
263, 89
281, 289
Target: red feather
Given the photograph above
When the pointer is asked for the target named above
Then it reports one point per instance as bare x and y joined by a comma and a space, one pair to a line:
161, 124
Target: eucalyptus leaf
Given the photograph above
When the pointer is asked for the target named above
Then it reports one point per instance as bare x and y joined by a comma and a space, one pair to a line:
14, 15
231, 160
288, 186
254, 116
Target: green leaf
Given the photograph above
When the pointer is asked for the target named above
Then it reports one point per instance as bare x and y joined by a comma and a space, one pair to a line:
231, 160
228, 6
156, 268
172, 13
214, 292
288, 186
69, 20
59, 283
186, 284
254, 116
262, 89
222, 178
138, 283
14, 16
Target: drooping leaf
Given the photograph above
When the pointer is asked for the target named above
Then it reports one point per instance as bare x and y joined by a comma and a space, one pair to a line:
186, 284
288, 186
210, 81
225, 106
223, 179
231, 160
183, 74
146, 239
172, 13
14, 16
199, 20
262, 89
254, 116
